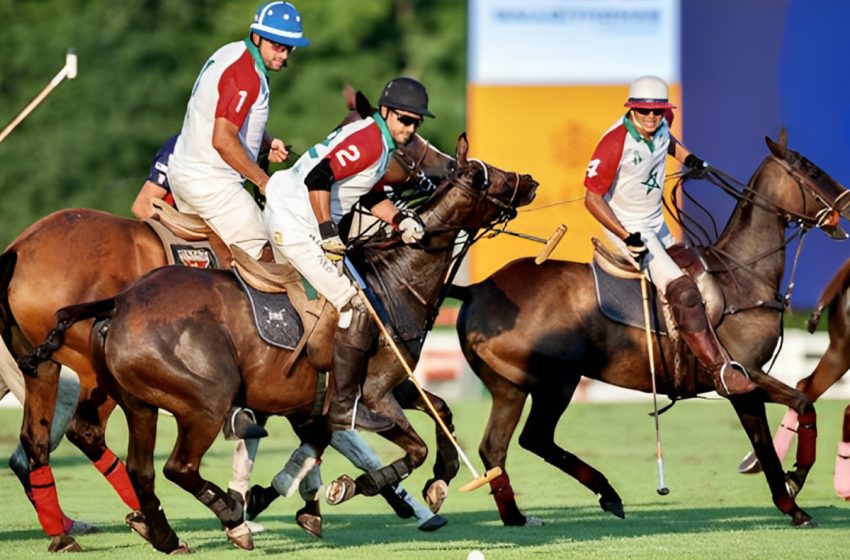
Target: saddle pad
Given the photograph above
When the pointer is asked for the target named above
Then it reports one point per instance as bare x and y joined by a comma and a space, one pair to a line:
276, 319
620, 300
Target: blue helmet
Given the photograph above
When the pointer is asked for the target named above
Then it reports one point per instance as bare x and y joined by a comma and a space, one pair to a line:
279, 22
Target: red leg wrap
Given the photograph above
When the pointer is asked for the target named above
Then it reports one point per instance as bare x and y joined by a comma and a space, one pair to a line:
46, 501
115, 472
807, 435
503, 493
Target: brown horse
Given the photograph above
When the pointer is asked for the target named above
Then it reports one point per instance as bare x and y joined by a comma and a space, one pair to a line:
537, 329
183, 340
832, 366
78, 255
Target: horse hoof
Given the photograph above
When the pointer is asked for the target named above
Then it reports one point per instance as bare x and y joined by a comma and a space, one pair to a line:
63, 543
615, 508
803, 521
340, 490
81, 528
241, 537
434, 523
534, 522
135, 520
436, 494
182, 548
749, 464
310, 523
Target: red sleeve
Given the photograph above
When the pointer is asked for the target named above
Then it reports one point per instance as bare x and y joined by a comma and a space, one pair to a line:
357, 152
605, 161
238, 89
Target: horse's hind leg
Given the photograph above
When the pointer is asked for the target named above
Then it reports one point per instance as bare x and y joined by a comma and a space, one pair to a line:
194, 437
538, 436
507, 405
750, 409
841, 481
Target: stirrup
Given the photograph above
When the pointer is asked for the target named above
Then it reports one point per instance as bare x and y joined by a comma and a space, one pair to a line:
241, 423
741, 370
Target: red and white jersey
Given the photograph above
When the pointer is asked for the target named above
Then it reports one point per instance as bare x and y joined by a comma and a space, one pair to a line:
359, 154
629, 171
233, 85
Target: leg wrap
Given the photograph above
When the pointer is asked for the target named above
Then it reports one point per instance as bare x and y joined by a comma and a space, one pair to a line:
115, 472
221, 504
310, 484
300, 463
46, 501
841, 481
244, 454
354, 448
371, 483
160, 534
807, 435
503, 493
785, 434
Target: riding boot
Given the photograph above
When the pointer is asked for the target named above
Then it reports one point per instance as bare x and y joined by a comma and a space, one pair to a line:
240, 423
730, 378
350, 364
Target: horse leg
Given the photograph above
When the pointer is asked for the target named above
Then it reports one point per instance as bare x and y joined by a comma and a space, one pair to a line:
66, 402
538, 436
751, 413
508, 402
447, 463
778, 392
194, 436
841, 481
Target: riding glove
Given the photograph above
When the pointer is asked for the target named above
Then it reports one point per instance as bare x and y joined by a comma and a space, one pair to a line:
331, 243
636, 247
410, 225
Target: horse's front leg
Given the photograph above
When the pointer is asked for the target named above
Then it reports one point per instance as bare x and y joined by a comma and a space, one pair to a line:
447, 463
781, 393
750, 409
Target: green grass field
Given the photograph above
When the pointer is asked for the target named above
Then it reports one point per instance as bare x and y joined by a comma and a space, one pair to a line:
711, 512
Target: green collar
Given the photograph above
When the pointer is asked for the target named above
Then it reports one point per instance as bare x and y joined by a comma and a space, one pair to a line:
385, 131
255, 54
630, 126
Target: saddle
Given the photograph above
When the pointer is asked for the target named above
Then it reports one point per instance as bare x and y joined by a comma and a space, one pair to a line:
187, 239
618, 290
281, 307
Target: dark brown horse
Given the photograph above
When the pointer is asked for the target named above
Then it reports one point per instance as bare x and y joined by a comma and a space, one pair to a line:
79, 255
183, 340
832, 366
535, 330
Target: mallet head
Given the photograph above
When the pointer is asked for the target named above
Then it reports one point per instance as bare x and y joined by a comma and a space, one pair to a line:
663, 491
71, 64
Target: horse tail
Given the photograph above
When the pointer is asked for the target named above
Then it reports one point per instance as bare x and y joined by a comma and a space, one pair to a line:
459, 292
7, 320
837, 286
65, 319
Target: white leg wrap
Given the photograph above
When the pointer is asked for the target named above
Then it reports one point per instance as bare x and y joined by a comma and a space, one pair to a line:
300, 463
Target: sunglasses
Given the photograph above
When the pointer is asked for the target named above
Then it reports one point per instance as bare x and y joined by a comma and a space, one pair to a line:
656, 112
408, 120
280, 47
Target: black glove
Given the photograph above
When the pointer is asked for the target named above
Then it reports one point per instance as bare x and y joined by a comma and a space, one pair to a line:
636, 247
694, 163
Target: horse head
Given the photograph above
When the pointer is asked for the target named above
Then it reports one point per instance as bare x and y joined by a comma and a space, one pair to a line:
823, 200
492, 194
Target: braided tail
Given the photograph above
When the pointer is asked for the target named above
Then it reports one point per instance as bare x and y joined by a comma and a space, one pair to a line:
65, 319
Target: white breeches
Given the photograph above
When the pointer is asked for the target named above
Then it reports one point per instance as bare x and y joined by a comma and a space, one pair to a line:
226, 206
660, 266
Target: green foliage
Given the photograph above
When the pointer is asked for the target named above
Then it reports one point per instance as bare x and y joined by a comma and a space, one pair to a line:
90, 143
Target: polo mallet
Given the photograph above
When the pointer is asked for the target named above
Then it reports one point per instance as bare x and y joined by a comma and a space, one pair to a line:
549, 244
68, 71
478, 480
662, 489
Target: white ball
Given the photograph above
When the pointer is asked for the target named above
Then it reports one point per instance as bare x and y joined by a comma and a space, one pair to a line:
475, 555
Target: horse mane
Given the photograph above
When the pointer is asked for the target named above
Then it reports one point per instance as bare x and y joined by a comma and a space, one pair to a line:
833, 290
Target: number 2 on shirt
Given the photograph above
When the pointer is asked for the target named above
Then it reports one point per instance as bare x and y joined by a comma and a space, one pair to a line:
352, 154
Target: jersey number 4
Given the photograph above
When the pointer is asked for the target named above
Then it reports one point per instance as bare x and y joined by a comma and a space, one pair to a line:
592, 166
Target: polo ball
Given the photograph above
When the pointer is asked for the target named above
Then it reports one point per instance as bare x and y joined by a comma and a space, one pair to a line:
475, 555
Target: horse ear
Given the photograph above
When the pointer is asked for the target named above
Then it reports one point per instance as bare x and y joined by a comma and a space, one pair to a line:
363, 106
350, 96
775, 149
462, 149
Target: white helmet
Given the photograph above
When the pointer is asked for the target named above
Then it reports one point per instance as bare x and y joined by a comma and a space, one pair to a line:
649, 92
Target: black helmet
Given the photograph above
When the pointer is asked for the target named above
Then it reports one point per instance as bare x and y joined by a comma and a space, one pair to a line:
406, 94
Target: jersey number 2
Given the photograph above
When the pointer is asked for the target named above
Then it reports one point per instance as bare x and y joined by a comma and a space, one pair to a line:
351, 154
